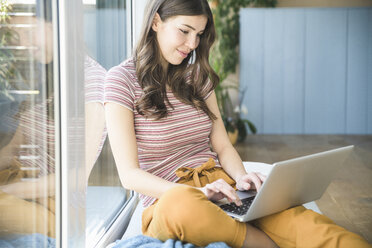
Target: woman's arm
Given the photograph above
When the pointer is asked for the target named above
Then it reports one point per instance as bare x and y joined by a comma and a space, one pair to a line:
7, 153
42, 187
120, 127
94, 129
227, 155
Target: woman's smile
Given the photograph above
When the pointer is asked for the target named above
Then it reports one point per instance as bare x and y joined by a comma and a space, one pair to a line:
183, 54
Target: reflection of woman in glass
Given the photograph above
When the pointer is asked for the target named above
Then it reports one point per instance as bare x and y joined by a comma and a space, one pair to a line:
27, 161
162, 114
28, 185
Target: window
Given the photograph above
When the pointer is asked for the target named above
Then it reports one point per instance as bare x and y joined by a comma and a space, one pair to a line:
28, 125
58, 179
105, 37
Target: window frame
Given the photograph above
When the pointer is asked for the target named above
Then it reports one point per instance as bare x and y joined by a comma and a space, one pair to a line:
70, 201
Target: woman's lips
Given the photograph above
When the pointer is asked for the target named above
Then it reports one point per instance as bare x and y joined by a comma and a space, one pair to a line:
183, 54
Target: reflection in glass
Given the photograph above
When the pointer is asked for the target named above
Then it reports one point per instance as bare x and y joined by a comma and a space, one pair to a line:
27, 120
105, 40
27, 131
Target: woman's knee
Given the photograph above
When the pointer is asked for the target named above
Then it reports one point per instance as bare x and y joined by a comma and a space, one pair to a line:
179, 202
180, 205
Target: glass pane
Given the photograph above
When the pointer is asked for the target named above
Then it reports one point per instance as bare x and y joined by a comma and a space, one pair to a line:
105, 38
27, 131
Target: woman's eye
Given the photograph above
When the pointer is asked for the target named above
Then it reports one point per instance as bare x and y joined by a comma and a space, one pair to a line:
184, 31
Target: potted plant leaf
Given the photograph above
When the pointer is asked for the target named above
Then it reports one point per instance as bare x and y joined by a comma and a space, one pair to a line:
225, 58
10, 76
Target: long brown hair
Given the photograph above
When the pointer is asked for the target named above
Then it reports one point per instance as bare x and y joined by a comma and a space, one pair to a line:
151, 75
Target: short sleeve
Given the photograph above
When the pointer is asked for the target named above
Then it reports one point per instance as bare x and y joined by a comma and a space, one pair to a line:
119, 87
94, 77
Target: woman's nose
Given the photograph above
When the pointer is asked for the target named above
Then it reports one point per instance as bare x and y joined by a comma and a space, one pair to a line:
192, 42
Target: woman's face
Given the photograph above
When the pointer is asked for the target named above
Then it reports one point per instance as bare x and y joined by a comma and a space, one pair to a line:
178, 36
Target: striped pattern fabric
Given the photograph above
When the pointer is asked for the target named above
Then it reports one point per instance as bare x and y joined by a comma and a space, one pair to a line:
36, 124
94, 78
37, 127
180, 139
38, 138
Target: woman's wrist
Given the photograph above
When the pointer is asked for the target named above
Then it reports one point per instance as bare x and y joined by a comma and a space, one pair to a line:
238, 175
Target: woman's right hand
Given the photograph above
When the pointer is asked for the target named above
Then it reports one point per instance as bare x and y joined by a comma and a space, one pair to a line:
220, 189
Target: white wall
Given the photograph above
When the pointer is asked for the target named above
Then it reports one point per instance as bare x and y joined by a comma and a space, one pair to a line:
307, 70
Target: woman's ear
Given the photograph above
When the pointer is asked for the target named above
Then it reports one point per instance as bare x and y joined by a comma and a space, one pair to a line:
156, 22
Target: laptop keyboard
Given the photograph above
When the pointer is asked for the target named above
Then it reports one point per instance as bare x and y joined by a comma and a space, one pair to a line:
238, 210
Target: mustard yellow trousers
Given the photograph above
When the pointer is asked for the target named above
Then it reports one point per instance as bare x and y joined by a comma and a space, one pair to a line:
20, 216
184, 213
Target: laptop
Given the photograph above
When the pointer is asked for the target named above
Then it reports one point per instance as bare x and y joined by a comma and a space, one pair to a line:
290, 183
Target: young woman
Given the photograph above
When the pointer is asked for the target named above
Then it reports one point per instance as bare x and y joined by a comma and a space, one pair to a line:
162, 115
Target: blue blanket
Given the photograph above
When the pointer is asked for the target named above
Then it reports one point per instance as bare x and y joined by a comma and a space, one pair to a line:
28, 241
141, 241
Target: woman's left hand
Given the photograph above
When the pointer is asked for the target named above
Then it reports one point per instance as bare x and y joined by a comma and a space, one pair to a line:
251, 180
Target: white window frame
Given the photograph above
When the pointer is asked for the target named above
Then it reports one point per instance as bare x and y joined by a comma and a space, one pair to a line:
68, 78
69, 110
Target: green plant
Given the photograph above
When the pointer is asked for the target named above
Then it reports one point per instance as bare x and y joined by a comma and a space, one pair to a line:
239, 123
7, 59
226, 13
225, 57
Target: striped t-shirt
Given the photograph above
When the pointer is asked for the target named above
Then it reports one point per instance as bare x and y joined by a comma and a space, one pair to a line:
94, 78
181, 139
37, 127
